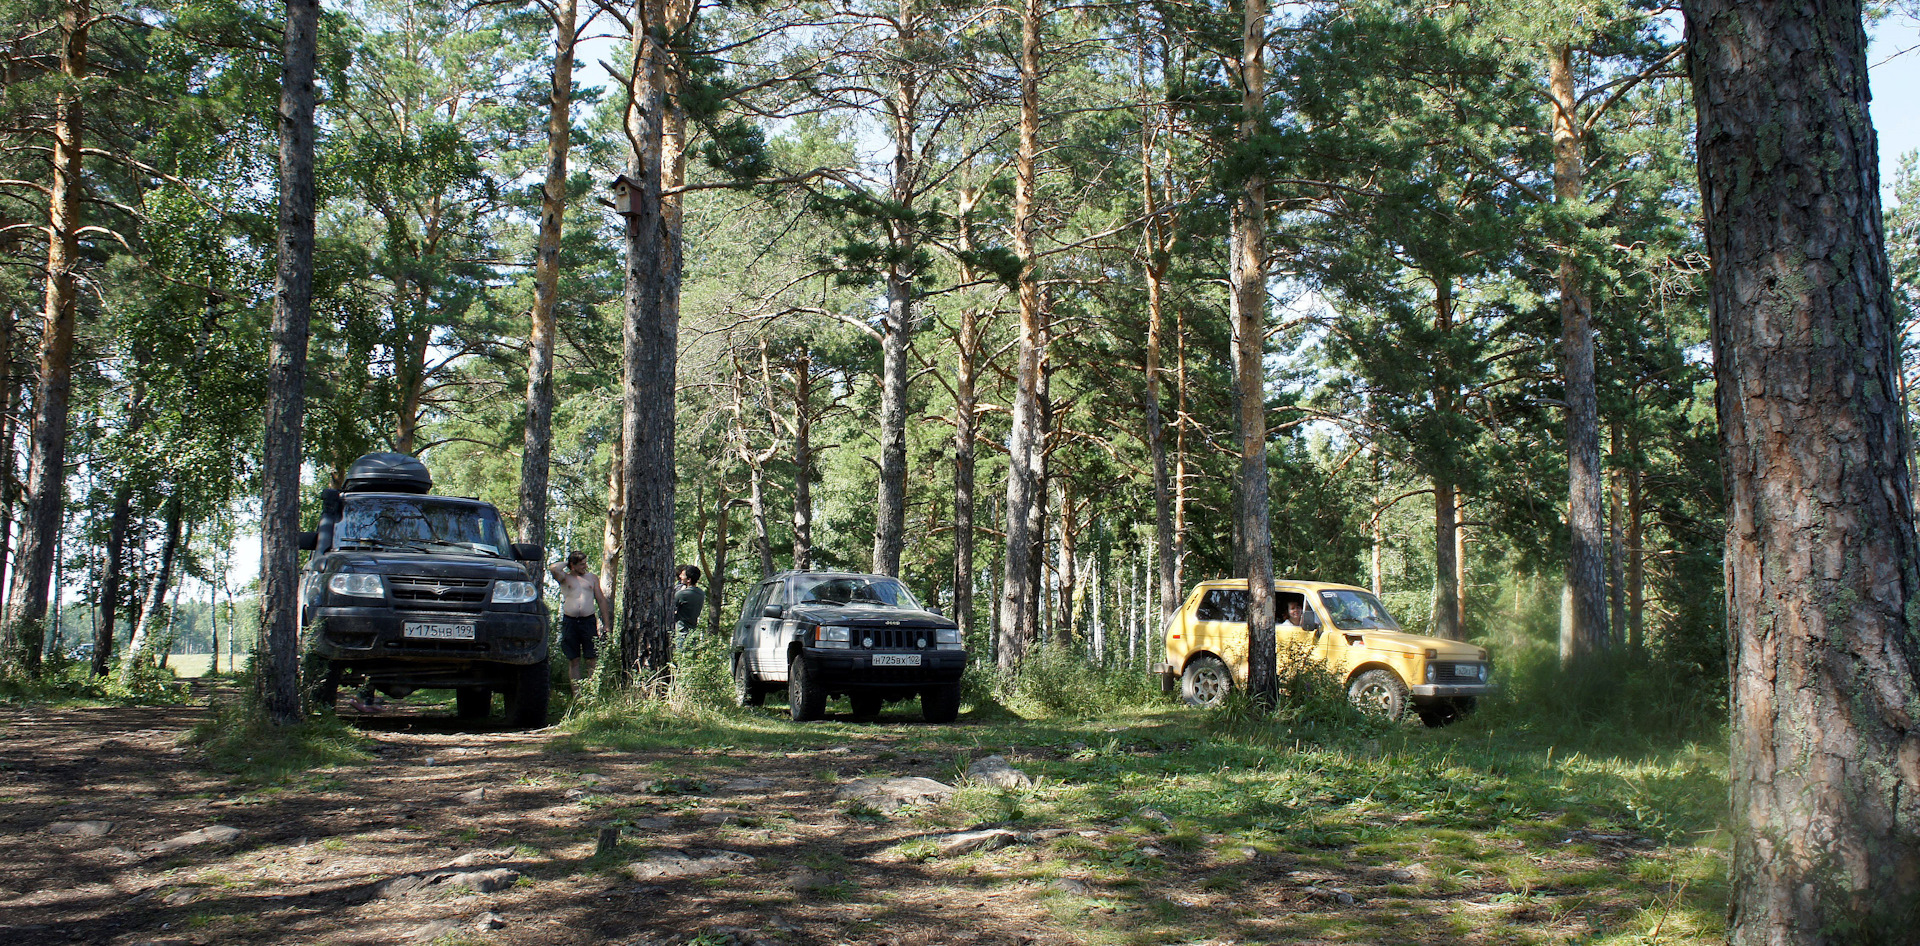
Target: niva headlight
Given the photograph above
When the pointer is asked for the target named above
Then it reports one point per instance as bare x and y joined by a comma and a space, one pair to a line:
358, 586
514, 592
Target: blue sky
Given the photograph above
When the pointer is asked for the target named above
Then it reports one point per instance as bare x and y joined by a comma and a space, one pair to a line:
1893, 62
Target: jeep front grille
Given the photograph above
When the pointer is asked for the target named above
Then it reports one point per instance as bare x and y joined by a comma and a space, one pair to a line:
422, 593
893, 638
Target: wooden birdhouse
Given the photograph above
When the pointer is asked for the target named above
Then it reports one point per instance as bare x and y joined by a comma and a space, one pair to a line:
624, 191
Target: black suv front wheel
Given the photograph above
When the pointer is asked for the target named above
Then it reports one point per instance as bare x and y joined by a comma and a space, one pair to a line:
805, 700
747, 689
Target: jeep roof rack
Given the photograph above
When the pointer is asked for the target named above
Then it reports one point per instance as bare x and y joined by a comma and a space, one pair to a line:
388, 473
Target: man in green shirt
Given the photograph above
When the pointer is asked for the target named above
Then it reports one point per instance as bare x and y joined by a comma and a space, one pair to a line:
688, 599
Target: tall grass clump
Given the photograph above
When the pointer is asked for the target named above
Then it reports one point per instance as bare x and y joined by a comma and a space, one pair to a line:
241, 740
1312, 707
1067, 682
63, 679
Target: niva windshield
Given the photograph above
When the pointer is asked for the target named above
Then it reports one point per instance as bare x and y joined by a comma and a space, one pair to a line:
1356, 611
878, 592
420, 524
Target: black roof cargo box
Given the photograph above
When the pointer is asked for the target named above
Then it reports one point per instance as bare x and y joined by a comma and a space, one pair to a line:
388, 473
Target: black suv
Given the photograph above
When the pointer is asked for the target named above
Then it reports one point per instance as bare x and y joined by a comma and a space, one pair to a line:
408, 591
821, 634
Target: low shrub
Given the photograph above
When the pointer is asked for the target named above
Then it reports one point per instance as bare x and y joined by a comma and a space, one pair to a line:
1067, 682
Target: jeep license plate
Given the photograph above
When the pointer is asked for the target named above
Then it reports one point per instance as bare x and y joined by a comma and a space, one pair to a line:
438, 632
896, 660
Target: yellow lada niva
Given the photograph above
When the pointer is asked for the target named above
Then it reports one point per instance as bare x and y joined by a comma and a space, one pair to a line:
1386, 670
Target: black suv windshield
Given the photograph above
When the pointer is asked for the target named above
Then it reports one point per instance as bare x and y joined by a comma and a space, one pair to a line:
421, 523
853, 589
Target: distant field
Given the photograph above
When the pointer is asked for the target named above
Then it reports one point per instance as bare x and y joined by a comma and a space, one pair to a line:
193, 665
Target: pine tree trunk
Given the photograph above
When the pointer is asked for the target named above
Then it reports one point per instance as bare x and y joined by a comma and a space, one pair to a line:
1249, 309
537, 441
1069, 567
1019, 608
111, 578
650, 339
1586, 567
23, 633
1446, 563
1821, 552
903, 231
611, 536
277, 666
1156, 272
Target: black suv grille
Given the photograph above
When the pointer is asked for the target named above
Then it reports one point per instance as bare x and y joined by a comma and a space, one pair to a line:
893, 638
418, 593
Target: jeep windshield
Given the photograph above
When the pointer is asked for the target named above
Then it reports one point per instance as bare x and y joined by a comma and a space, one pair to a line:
420, 524
1356, 611
874, 592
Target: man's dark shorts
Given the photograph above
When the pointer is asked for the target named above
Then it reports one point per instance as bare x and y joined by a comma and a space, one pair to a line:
577, 636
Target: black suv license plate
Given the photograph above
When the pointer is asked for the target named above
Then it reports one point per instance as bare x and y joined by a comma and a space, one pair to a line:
896, 660
438, 632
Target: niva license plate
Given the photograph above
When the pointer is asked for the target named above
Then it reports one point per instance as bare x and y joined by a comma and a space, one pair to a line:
438, 632
896, 660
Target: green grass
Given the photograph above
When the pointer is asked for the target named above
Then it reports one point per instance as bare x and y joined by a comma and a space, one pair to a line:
242, 743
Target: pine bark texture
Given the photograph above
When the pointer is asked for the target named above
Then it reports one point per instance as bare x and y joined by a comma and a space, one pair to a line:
650, 340
1249, 305
537, 440
1586, 564
1821, 553
22, 635
277, 664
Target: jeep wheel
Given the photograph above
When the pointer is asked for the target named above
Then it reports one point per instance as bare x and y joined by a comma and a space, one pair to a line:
866, 703
747, 691
472, 702
1206, 681
805, 700
527, 693
1379, 692
940, 704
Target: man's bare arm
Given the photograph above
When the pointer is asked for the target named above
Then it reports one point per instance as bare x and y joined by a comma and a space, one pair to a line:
606, 606
558, 572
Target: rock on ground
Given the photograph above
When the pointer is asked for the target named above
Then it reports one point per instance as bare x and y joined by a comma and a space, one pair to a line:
995, 771
669, 865
81, 829
892, 794
215, 834
966, 842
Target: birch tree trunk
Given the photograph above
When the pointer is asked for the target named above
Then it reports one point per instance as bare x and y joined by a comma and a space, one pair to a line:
277, 666
537, 441
1821, 553
1019, 611
23, 633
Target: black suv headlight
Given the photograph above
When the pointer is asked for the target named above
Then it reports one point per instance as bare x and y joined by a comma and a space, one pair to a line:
832, 635
357, 586
514, 592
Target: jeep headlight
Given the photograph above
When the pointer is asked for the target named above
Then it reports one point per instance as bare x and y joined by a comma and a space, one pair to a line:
358, 586
832, 635
514, 592
946, 638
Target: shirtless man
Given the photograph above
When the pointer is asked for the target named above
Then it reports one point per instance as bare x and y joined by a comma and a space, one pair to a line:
581, 598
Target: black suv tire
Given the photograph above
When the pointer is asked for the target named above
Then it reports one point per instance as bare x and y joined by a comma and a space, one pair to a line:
805, 700
940, 704
527, 695
747, 691
473, 702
